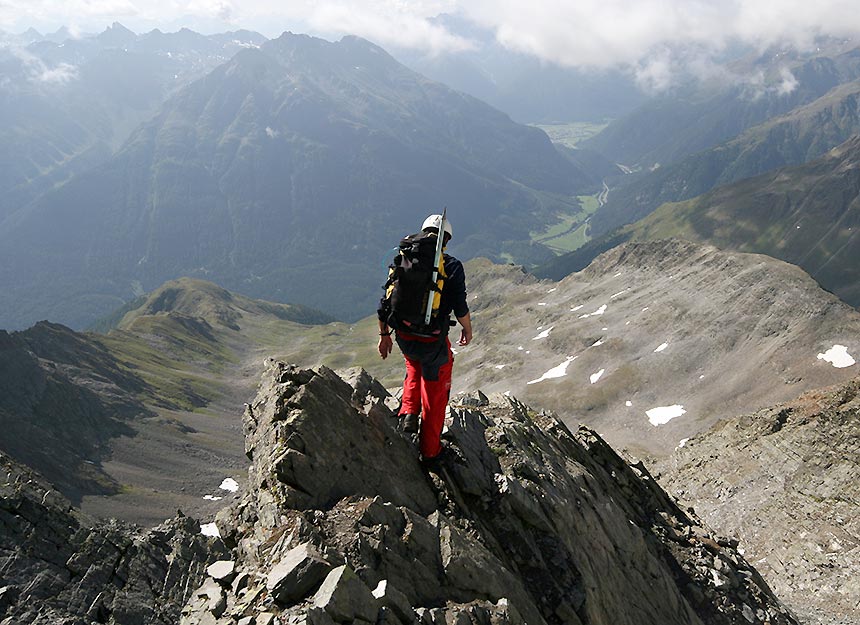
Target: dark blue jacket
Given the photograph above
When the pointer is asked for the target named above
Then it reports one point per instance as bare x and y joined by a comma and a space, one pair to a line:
453, 293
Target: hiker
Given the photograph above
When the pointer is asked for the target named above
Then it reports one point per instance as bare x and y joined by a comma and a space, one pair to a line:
429, 360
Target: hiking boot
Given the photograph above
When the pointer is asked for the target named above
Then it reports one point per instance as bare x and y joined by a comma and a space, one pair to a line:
409, 423
434, 463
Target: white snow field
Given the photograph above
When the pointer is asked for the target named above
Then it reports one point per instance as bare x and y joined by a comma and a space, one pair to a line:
229, 484
596, 313
555, 372
596, 376
837, 356
543, 334
663, 414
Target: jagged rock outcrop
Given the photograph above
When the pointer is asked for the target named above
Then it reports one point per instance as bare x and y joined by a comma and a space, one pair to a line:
524, 521
784, 479
57, 566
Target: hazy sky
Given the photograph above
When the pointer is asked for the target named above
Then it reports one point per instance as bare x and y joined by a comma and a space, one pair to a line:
646, 34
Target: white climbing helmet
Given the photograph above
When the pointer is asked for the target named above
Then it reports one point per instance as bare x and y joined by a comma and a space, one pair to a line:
433, 222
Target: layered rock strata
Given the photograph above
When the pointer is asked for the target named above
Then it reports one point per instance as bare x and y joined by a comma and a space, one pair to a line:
523, 521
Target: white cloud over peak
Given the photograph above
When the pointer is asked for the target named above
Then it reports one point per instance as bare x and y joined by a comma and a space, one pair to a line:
400, 28
651, 37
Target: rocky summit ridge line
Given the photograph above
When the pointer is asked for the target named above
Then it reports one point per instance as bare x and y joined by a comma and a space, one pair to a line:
524, 522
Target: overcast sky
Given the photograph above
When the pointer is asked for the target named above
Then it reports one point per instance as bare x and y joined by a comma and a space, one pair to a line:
599, 33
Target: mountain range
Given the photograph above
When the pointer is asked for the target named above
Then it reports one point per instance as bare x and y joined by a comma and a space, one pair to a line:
297, 162
617, 347
807, 215
804, 134
281, 169
700, 114
186, 357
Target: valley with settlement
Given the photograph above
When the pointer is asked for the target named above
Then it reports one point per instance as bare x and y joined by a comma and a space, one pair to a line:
657, 421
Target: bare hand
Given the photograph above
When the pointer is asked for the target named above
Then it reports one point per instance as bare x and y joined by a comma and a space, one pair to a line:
465, 337
385, 345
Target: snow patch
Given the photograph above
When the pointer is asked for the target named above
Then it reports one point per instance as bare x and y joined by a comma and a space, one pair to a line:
682, 442
210, 529
575, 308
520, 348
628, 403
663, 414
596, 313
837, 356
541, 303
617, 294
550, 291
543, 334
555, 372
212, 498
596, 376
229, 484
617, 274
597, 342
661, 347
500, 366
644, 309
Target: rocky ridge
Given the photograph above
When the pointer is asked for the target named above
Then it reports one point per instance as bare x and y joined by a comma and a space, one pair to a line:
785, 480
524, 521
58, 566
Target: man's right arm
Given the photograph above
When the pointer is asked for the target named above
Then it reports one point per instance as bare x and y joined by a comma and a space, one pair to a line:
466, 332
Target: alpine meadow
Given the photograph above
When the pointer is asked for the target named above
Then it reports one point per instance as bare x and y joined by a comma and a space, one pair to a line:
429, 313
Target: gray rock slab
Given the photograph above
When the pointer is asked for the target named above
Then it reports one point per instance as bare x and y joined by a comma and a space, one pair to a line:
297, 574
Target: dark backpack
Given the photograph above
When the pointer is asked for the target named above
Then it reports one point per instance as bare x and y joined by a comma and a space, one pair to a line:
410, 284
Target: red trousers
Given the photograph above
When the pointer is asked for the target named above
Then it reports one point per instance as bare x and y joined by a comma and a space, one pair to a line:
426, 388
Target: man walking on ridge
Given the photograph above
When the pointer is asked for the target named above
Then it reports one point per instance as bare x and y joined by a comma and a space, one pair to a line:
429, 359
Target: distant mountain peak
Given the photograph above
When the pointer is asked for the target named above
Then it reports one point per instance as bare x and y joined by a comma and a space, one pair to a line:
116, 35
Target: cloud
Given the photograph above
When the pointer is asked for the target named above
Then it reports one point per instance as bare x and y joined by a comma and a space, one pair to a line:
653, 38
34, 69
59, 75
789, 82
399, 28
605, 33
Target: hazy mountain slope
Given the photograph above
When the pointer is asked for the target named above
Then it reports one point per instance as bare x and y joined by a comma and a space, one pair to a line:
67, 105
801, 135
711, 111
282, 170
784, 480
